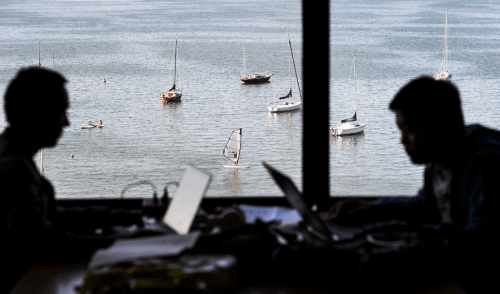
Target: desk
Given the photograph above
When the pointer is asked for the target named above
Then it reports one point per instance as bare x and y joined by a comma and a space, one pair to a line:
62, 279
51, 279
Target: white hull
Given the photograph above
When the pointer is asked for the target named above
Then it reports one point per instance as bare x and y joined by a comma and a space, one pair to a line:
283, 107
236, 166
350, 128
443, 76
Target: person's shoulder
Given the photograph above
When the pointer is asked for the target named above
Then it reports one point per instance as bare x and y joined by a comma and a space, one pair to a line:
480, 139
12, 165
481, 135
482, 146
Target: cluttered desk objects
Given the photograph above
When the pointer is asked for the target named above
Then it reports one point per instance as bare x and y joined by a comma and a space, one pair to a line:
246, 249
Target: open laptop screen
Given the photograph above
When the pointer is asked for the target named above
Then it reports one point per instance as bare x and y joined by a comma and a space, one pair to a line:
314, 224
184, 205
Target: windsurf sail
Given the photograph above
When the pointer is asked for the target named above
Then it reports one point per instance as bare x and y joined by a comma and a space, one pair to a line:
233, 147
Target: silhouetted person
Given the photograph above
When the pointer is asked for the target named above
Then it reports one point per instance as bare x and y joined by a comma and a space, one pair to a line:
461, 191
35, 105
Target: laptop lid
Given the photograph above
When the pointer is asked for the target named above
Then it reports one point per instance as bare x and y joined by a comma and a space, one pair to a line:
186, 201
313, 222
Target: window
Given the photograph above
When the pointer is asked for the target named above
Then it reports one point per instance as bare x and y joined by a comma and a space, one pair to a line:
395, 42
130, 45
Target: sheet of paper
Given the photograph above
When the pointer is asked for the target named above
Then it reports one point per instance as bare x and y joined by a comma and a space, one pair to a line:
131, 249
269, 213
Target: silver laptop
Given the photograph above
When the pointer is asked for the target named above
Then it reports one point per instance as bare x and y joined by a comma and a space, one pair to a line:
186, 201
327, 232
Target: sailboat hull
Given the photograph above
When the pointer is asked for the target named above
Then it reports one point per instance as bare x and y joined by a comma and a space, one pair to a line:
347, 129
256, 79
174, 97
442, 76
284, 107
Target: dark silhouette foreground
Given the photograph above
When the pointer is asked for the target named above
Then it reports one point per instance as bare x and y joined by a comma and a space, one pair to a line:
33, 229
461, 183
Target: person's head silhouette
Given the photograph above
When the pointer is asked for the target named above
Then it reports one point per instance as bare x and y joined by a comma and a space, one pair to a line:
429, 115
35, 104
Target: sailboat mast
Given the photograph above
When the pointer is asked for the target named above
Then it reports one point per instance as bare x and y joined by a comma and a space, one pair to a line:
52, 53
39, 63
355, 82
179, 67
296, 76
446, 43
175, 61
244, 64
289, 61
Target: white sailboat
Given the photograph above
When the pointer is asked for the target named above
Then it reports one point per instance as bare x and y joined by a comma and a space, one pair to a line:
351, 126
233, 149
445, 73
174, 94
255, 78
288, 105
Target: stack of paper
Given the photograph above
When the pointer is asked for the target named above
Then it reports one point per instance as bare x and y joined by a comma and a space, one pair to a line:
133, 249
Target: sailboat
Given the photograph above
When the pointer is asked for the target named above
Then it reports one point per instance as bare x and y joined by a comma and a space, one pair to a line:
445, 73
288, 105
174, 94
233, 149
256, 78
351, 126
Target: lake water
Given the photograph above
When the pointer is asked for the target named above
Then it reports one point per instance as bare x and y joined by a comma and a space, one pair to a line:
130, 44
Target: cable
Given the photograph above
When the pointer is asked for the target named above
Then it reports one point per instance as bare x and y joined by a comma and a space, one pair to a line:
155, 197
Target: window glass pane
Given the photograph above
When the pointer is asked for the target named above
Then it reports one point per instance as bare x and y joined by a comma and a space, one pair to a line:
130, 44
394, 42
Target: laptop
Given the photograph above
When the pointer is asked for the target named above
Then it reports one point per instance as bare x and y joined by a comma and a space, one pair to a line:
186, 202
327, 232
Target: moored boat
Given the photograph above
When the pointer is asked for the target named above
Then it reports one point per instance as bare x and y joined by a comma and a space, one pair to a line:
174, 94
255, 78
350, 126
445, 73
289, 105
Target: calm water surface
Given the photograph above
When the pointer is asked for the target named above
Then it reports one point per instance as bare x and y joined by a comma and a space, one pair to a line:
130, 44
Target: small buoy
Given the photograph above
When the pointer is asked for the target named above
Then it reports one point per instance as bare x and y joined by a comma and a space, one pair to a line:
71, 156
